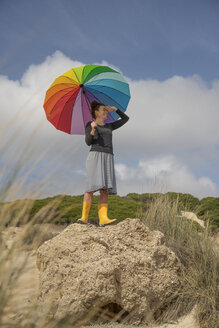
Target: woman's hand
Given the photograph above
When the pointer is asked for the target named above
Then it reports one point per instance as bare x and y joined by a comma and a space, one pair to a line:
109, 108
93, 126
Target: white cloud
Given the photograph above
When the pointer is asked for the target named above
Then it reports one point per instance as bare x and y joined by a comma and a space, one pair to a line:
177, 113
164, 174
172, 131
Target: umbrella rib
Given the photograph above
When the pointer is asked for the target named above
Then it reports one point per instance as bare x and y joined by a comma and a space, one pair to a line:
125, 94
82, 75
106, 79
61, 84
67, 101
67, 77
63, 97
86, 101
111, 87
81, 107
97, 67
58, 90
59, 98
67, 87
109, 98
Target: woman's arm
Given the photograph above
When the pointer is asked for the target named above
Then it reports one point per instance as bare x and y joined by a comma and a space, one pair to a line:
89, 138
119, 123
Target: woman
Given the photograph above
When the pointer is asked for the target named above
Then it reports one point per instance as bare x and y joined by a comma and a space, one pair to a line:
100, 161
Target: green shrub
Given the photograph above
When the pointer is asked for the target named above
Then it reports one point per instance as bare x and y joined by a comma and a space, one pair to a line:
209, 210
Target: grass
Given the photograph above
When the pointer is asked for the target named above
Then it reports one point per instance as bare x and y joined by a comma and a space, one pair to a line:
200, 279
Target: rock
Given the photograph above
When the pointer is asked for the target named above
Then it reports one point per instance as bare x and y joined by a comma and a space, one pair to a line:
124, 268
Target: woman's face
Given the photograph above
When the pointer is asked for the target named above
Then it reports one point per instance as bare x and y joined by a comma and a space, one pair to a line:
101, 112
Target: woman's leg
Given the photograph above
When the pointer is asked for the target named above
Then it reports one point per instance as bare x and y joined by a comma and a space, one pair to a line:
87, 201
88, 196
103, 196
102, 209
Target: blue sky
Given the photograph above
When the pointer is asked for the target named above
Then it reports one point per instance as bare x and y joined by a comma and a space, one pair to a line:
146, 39
169, 51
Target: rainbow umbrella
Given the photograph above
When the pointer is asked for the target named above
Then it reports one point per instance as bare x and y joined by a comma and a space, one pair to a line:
67, 101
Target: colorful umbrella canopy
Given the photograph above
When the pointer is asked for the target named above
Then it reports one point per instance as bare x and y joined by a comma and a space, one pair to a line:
67, 101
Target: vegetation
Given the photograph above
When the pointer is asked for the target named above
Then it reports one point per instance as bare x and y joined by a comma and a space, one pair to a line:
206, 209
68, 208
200, 279
186, 202
209, 209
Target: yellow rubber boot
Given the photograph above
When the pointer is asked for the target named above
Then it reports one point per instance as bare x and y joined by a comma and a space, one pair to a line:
85, 212
102, 213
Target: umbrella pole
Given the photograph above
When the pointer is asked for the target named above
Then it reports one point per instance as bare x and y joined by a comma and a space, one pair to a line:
87, 102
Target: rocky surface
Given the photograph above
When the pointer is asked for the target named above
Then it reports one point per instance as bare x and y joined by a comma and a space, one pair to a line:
123, 269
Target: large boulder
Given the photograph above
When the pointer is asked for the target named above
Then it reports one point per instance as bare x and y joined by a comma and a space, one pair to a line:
122, 269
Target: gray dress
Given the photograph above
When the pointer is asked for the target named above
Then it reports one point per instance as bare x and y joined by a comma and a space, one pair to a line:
100, 172
100, 160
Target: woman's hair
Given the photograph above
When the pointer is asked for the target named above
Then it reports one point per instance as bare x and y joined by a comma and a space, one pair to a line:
95, 106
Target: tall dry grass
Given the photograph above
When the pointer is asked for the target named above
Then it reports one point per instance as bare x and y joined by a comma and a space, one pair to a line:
14, 256
18, 162
195, 249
